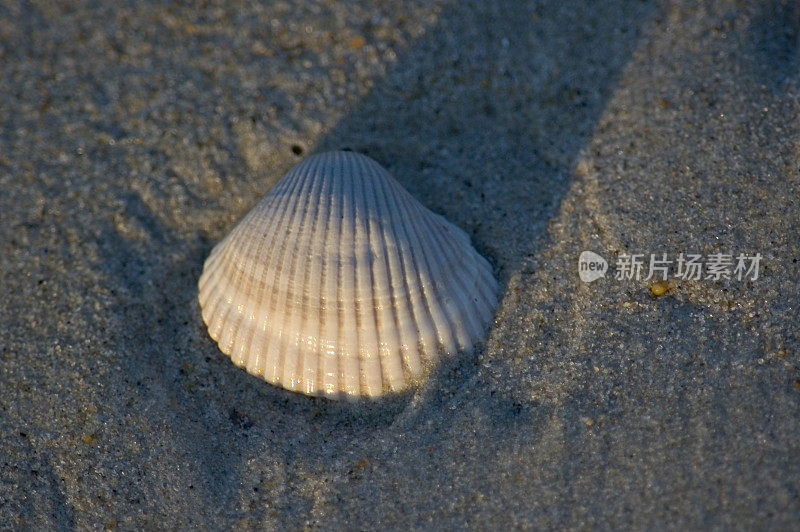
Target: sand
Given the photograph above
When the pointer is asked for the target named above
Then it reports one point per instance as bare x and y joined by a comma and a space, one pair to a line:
132, 139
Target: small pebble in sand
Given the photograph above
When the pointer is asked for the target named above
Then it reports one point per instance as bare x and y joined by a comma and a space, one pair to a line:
659, 288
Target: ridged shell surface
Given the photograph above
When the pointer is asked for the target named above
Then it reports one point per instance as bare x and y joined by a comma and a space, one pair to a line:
340, 283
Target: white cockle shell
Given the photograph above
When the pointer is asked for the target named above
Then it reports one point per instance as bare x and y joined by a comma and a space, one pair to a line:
340, 283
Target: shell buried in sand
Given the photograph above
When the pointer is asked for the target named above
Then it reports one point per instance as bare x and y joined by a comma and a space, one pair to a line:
339, 283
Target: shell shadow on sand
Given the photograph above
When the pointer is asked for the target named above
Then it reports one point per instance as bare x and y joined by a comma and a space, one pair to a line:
480, 120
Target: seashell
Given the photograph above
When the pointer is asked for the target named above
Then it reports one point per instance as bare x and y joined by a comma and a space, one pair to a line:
340, 283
